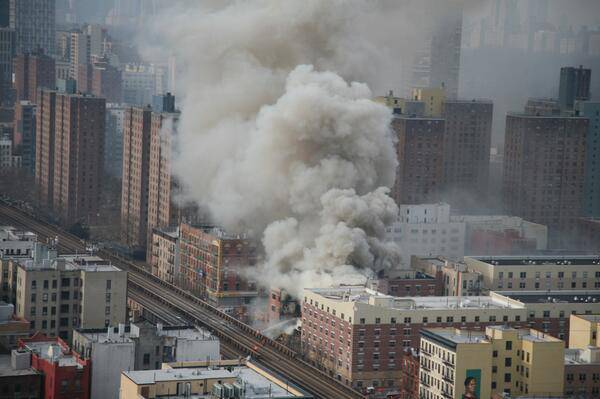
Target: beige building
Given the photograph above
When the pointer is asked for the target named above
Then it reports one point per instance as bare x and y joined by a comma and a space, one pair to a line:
220, 379
583, 331
503, 359
164, 254
60, 293
538, 273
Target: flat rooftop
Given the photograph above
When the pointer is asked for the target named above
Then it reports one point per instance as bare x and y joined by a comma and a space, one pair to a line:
375, 298
181, 332
554, 296
520, 261
257, 386
53, 352
456, 336
6, 369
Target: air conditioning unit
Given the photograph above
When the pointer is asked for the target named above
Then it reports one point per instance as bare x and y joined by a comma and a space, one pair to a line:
228, 391
217, 391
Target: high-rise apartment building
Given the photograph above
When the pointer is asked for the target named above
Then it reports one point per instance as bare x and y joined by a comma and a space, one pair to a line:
7, 53
80, 57
502, 360
146, 185
34, 25
33, 71
591, 196
70, 151
420, 150
544, 170
467, 143
574, 86
113, 140
44, 147
25, 112
60, 293
211, 265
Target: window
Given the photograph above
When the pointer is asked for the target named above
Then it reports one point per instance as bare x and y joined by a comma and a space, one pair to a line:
507, 377
523, 275
108, 297
495, 354
64, 308
508, 362
377, 320
33, 284
65, 282
108, 284
393, 320
508, 345
54, 283
476, 319
65, 295
64, 321
107, 310
146, 358
33, 298
45, 284
362, 321
407, 320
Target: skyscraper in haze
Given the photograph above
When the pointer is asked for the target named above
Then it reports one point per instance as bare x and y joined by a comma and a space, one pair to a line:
544, 164
574, 86
33, 71
34, 25
437, 61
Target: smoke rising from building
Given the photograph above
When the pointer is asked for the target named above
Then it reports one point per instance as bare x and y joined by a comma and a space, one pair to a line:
273, 141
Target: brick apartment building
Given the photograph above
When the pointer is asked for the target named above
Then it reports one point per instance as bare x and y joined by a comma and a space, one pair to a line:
146, 185
420, 149
211, 263
544, 165
467, 142
69, 154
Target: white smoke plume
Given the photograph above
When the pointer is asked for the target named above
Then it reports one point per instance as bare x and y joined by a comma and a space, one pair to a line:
272, 141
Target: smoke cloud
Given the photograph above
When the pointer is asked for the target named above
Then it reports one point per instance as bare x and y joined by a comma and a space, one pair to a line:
271, 140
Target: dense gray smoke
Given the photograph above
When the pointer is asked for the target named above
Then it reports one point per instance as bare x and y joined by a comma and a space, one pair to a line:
273, 141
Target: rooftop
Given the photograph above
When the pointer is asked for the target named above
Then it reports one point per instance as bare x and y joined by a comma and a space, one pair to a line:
539, 260
589, 355
554, 296
375, 298
7, 370
51, 351
455, 336
180, 332
9, 233
257, 386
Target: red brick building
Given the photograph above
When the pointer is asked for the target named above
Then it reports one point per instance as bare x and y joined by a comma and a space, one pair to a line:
582, 373
409, 387
211, 263
410, 283
32, 72
66, 375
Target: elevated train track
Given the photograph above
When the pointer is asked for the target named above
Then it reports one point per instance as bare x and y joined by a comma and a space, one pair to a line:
166, 301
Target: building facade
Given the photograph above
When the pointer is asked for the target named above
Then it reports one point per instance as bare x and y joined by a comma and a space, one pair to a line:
427, 230
544, 171
420, 150
60, 293
467, 142
211, 265
538, 273
139, 346
591, 202
501, 360
25, 115
164, 254
34, 25
146, 185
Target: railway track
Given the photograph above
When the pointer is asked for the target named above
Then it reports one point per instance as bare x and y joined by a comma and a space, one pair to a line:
164, 300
